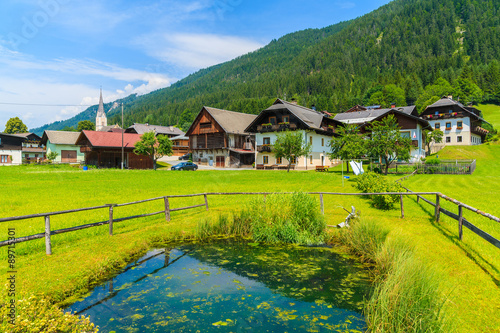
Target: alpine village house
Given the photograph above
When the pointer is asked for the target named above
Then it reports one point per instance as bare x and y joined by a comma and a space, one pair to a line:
460, 124
317, 128
218, 137
410, 124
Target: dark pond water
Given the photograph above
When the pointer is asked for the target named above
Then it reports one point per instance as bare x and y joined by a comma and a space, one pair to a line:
232, 286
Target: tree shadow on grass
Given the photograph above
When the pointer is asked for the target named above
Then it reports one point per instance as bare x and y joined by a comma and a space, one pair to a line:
471, 253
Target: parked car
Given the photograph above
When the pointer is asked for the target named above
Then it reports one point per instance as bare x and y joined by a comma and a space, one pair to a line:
185, 157
185, 166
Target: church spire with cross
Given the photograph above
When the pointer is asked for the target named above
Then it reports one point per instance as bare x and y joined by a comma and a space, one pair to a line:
101, 120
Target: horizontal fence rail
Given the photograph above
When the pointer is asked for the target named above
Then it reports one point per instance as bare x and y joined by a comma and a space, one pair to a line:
168, 210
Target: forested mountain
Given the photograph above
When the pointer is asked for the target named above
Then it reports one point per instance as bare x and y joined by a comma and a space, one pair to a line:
408, 51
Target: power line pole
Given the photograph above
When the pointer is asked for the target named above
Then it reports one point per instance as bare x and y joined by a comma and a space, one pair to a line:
123, 130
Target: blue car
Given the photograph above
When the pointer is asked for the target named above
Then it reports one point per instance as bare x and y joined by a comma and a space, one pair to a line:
185, 166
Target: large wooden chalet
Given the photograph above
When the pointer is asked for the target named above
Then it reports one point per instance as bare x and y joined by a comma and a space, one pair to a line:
218, 137
104, 150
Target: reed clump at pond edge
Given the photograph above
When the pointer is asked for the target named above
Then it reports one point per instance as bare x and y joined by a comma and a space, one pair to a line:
406, 296
278, 218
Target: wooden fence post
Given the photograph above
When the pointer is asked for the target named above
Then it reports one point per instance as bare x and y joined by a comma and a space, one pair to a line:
167, 209
111, 219
322, 204
48, 245
402, 207
460, 222
206, 202
418, 198
437, 213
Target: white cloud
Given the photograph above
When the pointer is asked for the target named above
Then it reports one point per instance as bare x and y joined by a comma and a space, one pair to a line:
345, 4
193, 50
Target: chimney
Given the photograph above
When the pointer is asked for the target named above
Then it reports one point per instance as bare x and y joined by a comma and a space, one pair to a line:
393, 105
294, 101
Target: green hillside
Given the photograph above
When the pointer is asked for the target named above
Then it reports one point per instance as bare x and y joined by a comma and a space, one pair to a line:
409, 52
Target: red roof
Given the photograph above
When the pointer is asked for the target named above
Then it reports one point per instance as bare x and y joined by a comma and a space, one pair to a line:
111, 139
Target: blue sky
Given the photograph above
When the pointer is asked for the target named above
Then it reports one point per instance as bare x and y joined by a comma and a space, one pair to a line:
59, 52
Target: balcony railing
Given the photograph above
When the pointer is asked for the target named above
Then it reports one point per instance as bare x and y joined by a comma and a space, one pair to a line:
276, 128
443, 116
265, 149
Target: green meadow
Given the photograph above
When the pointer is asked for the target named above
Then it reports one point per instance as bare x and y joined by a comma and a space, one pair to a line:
468, 272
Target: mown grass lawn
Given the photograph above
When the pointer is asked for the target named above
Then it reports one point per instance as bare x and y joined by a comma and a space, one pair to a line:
469, 270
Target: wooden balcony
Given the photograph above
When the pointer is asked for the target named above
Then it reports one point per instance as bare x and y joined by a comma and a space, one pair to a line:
265, 149
276, 128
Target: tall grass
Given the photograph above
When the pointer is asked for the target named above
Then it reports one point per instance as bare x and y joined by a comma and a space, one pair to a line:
279, 218
406, 295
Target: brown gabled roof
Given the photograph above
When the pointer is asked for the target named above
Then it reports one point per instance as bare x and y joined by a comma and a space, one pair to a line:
232, 122
60, 137
425, 124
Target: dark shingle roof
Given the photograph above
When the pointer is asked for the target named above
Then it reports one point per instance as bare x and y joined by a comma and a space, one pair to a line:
166, 130
361, 117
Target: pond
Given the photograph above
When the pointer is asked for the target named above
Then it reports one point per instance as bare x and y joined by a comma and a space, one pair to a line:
232, 286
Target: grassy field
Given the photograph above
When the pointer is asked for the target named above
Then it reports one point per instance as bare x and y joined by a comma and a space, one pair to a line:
469, 271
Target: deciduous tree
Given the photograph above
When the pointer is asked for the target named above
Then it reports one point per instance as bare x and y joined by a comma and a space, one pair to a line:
290, 145
349, 145
387, 143
85, 125
430, 136
15, 125
153, 146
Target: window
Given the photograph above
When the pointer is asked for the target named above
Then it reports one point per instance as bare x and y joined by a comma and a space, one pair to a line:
322, 142
311, 140
310, 159
437, 113
205, 125
450, 111
448, 139
460, 125
279, 161
406, 135
293, 160
272, 120
265, 159
459, 139
4, 159
437, 126
448, 126
267, 141
286, 119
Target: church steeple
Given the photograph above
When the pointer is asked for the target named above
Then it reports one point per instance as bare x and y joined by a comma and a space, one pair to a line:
101, 120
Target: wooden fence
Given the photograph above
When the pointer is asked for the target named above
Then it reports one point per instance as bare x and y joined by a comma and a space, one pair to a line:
445, 167
462, 222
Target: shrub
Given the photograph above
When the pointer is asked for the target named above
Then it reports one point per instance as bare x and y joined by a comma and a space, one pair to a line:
372, 183
406, 296
38, 315
364, 238
287, 218
433, 161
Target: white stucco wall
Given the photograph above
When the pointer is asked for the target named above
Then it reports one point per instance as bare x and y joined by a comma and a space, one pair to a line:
319, 152
16, 156
468, 139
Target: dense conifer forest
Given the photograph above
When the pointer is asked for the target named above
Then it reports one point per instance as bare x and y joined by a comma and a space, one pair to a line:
408, 52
